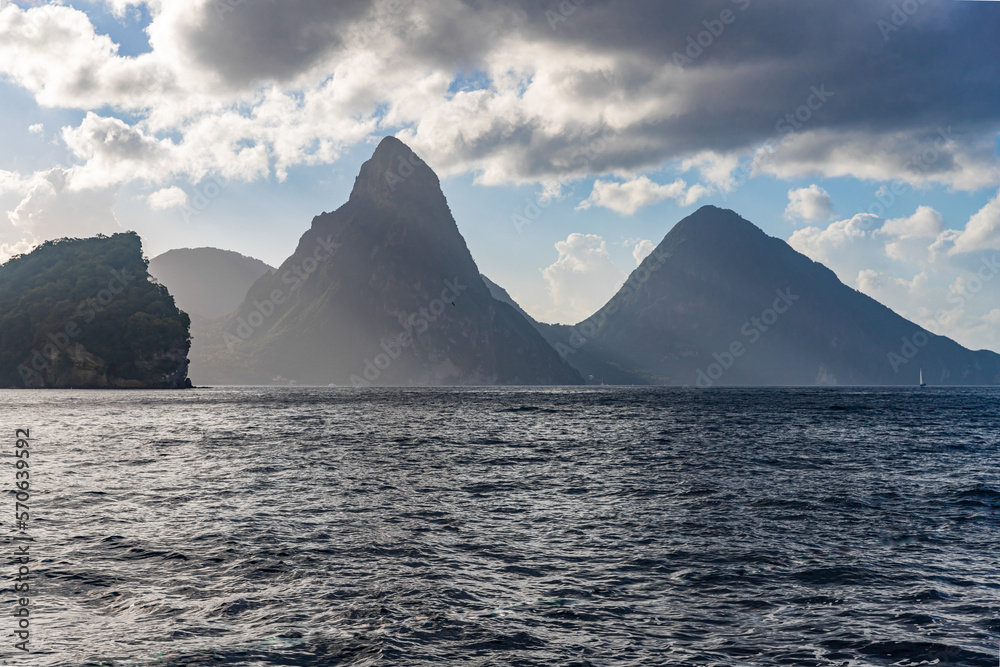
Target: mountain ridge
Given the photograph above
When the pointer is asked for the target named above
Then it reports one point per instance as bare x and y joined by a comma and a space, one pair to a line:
383, 290
710, 315
186, 271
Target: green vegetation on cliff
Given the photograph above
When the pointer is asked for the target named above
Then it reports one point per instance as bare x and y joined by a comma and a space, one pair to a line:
83, 313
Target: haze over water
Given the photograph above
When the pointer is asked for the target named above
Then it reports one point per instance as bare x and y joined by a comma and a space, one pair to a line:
569, 526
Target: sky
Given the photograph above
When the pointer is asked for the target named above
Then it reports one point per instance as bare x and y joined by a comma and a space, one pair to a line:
569, 135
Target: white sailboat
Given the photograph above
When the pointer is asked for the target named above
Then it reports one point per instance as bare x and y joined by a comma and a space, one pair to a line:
922, 383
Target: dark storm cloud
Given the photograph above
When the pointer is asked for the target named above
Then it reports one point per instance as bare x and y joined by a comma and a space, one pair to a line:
891, 66
720, 75
250, 41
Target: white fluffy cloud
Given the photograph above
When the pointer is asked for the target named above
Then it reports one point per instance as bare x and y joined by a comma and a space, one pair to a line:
810, 204
8, 250
982, 231
627, 198
167, 198
251, 89
281, 84
642, 250
53, 209
582, 279
917, 267
926, 223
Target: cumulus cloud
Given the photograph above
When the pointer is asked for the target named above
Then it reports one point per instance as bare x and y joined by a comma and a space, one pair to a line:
982, 232
926, 223
8, 250
167, 198
810, 204
297, 82
582, 279
842, 240
915, 156
37, 128
53, 209
916, 266
642, 250
869, 281
627, 198
12, 182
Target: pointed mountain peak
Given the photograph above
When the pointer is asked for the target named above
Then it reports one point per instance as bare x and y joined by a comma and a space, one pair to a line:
394, 170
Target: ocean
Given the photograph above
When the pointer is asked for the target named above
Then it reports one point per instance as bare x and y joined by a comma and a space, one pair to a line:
507, 526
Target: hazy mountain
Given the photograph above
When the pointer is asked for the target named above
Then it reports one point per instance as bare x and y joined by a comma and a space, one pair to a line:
83, 313
207, 282
501, 295
382, 291
719, 302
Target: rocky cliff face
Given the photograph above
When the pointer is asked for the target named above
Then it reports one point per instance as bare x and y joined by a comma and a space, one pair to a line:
76, 368
383, 291
82, 313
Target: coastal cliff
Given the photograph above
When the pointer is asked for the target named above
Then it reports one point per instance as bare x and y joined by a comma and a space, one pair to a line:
84, 314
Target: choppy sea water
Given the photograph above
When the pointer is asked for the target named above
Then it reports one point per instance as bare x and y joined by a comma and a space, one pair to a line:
600, 526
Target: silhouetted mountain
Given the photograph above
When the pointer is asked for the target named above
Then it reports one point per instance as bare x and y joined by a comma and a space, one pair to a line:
719, 302
501, 295
83, 313
207, 282
383, 291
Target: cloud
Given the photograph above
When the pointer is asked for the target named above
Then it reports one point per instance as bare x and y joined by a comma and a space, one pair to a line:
841, 240
167, 198
627, 198
869, 281
12, 182
982, 232
926, 223
582, 279
642, 250
53, 209
37, 128
915, 156
8, 250
269, 86
811, 204
916, 266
